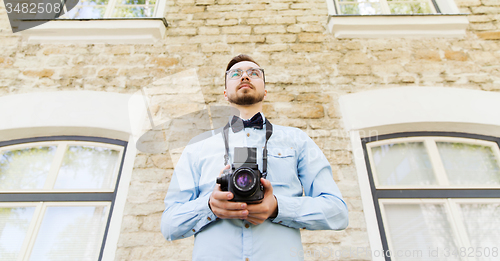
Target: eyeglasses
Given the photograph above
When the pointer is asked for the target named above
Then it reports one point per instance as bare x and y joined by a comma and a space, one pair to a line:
254, 73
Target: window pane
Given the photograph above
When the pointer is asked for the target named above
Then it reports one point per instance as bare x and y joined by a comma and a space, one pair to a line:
87, 167
70, 233
133, 11
136, 2
403, 164
25, 168
468, 164
406, 7
482, 222
87, 9
14, 223
419, 227
362, 7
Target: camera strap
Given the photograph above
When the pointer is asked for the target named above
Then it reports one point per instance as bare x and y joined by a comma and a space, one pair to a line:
269, 132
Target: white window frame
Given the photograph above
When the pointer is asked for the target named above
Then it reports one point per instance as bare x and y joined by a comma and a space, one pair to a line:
449, 23
80, 113
405, 109
435, 158
454, 217
36, 221
57, 161
103, 30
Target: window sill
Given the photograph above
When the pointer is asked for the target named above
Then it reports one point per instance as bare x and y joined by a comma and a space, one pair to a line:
121, 30
381, 26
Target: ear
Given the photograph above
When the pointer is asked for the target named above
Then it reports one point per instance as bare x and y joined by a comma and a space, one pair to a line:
265, 94
225, 95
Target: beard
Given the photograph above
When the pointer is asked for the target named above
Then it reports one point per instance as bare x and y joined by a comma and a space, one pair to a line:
245, 97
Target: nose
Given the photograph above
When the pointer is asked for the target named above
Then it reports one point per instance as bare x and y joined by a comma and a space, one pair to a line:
245, 76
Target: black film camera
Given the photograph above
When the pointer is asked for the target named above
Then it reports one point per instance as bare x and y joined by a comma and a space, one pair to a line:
243, 178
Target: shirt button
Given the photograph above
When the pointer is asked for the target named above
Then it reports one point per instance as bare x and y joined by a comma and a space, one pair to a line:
194, 230
280, 222
209, 218
279, 154
247, 259
247, 225
248, 134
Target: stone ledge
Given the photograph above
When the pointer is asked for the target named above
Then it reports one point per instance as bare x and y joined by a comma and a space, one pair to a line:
489, 35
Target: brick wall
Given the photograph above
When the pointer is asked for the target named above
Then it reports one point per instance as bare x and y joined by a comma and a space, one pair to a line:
307, 69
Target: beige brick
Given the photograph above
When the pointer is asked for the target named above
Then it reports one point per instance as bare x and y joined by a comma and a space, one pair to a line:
354, 69
480, 78
215, 48
181, 31
185, 48
245, 39
491, 2
221, 22
106, 72
485, 10
455, 55
489, 35
482, 26
427, 55
293, 29
311, 37
267, 29
205, 2
208, 30
305, 47
118, 50
467, 3
239, 29
164, 61
272, 47
207, 15
278, 6
41, 73
192, 9
425, 67
280, 38
355, 57
387, 68
305, 111
261, 14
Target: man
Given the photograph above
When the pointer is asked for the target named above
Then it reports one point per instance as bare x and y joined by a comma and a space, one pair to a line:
269, 230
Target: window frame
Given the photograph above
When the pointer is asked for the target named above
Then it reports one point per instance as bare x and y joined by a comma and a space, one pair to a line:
447, 22
64, 197
140, 30
429, 194
385, 7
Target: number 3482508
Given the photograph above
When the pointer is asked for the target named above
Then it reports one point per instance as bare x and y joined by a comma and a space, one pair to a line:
33, 8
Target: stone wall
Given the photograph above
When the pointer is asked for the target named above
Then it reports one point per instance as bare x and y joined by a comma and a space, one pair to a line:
307, 69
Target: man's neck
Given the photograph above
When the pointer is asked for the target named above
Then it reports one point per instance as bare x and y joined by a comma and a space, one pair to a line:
248, 111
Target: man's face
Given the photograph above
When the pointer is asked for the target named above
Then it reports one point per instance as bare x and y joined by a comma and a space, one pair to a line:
245, 90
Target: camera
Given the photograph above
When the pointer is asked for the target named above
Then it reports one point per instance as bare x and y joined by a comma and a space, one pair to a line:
243, 178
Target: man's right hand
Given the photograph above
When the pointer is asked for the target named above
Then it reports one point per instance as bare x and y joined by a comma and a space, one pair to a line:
222, 207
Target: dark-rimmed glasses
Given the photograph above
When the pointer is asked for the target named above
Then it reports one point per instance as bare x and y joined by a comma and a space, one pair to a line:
254, 73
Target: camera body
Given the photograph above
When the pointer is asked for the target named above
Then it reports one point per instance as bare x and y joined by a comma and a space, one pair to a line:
243, 178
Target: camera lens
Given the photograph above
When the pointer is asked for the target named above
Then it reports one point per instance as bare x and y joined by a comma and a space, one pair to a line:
244, 180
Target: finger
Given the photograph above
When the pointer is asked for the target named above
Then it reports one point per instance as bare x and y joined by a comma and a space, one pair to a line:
267, 185
222, 195
222, 170
229, 205
240, 214
258, 208
254, 220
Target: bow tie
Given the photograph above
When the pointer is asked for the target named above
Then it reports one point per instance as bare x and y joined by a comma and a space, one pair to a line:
237, 124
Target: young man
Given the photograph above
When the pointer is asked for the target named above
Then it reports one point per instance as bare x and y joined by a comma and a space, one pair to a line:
269, 230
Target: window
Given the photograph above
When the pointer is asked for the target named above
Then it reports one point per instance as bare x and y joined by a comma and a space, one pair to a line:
436, 197
112, 9
100, 21
57, 196
371, 7
395, 18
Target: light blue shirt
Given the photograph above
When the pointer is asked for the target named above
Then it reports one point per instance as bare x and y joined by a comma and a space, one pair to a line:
295, 164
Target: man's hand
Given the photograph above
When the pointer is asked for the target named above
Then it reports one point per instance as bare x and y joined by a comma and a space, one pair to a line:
258, 213
222, 207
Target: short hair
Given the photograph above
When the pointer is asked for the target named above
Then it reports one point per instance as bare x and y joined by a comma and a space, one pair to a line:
237, 59
240, 58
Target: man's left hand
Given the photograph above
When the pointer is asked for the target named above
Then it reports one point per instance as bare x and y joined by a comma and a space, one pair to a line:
258, 213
